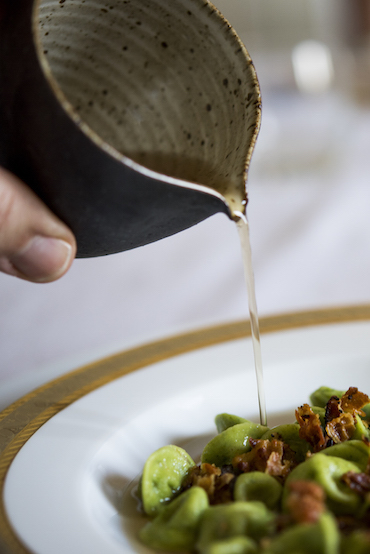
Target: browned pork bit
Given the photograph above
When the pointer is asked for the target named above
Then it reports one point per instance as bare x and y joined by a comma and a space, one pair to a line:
341, 428
216, 483
306, 501
269, 456
310, 427
332, 409
358, 482
353, 401
340, 414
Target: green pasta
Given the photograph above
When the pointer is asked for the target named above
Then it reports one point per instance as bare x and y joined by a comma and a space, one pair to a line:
317, 538
224, 421
231, 442
362, 431
327, 472
235, 520
298, 488
357, 542
163, 473
234, 545
355, 451
321, 396
256, 485
175, 527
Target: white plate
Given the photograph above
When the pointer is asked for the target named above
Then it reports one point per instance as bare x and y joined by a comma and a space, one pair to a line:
68, 487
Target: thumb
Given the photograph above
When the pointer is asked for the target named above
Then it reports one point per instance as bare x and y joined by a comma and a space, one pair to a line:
34, 244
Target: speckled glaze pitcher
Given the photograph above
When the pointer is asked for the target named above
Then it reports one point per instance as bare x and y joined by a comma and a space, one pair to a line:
131, 119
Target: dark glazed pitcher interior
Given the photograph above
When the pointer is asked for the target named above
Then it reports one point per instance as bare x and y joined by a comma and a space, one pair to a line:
131, 119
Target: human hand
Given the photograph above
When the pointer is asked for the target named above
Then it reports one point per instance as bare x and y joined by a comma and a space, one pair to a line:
34, 244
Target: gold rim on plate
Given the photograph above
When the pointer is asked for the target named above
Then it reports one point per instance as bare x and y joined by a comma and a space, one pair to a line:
24, 417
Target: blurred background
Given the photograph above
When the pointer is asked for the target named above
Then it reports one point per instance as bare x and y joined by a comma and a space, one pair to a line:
309, 212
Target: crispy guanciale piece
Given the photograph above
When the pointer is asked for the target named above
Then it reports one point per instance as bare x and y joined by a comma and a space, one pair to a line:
332, 409
353, 401
306, 501
215, 482
269, 456
310, 427
340, 414
358, 482
341, 428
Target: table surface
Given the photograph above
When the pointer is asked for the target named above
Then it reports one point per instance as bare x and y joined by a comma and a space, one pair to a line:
309, 201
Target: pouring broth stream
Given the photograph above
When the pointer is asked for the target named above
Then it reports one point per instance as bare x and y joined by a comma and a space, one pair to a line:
243, 230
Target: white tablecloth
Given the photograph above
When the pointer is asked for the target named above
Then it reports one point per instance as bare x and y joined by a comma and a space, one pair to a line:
309, 213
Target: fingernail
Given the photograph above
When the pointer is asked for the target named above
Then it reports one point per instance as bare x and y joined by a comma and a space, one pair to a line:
43, 259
